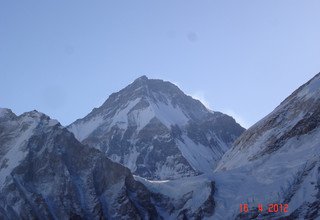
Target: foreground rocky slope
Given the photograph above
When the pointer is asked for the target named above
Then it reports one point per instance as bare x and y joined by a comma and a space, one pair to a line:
45, 173
157, 131
276, 161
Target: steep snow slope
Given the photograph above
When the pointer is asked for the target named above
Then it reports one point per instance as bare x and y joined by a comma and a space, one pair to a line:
275, 161
157, 131
298, 115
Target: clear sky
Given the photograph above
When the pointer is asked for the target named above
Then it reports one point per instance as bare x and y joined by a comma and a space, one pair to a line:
243, 58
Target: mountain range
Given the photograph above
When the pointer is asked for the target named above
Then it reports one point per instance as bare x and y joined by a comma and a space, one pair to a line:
152, 152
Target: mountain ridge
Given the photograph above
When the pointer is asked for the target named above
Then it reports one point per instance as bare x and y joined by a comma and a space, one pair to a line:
46, 173
276, 161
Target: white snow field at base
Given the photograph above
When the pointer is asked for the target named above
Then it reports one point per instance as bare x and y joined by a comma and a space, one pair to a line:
267, 180
198, 186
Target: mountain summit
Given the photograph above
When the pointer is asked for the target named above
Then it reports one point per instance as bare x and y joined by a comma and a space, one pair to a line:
157, 131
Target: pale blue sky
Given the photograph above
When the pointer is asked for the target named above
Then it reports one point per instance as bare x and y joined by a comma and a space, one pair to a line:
242, 57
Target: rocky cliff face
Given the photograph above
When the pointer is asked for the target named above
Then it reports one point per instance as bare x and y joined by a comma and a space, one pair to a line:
157, 131
46, 173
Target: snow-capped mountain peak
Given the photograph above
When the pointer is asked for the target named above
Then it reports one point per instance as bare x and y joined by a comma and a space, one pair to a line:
150, 122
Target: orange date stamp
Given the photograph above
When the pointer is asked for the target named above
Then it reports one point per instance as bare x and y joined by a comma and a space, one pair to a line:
270, 208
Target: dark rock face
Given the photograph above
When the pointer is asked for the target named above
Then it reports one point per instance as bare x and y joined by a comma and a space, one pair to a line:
157, 131
59, 178
47, 174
